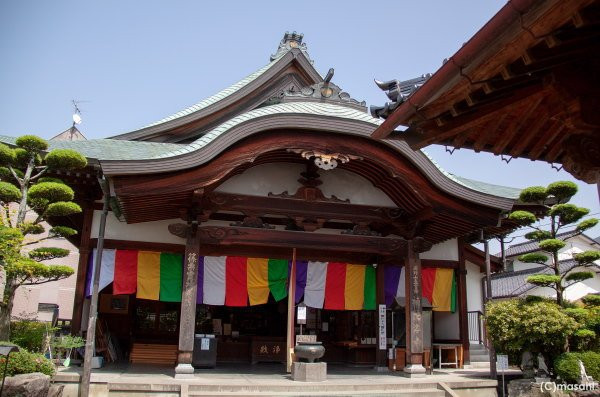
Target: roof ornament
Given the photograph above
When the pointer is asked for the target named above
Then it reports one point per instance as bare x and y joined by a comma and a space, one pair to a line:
288, 43
397, 92
324, 91
325, 161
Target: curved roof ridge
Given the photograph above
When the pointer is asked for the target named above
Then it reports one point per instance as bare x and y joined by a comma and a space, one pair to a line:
315, 108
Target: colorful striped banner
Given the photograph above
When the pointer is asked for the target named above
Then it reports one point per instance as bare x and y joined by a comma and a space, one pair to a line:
335, 286
258, 281
125, 272
149, 275
238, 281
438, 286
171, 277
236, 285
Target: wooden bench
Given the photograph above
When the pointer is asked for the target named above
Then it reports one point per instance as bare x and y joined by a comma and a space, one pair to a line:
148, 353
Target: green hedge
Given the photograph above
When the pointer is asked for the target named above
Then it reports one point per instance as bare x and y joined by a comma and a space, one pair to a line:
567, 366
25, 362
30, 334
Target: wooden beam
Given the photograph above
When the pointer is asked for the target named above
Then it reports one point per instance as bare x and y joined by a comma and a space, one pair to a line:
85, 250
475, 117
461, 286
241, 236
482, 138
516, 124
528, 136
546, 141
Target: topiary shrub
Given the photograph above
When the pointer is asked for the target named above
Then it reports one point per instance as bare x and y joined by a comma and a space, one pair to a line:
65, 159
45, 253
9, 192
562, 190
62, 231
31, 143
51, 191
566, 366
63, 208
533, 194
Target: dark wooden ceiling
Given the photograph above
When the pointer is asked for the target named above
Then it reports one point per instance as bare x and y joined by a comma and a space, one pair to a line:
533, 92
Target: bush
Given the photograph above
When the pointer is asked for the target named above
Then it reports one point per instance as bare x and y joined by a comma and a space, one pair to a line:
24, 362
63, 208
523, 218
9, 192
7, 155
552, 244
30, 334
51, 191
45, 253
62, 231
562, 190
31, 143
591, 300
516, 326
65, 159
533, 194
567, 366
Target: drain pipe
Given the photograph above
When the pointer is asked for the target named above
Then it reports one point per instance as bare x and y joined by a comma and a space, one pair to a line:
91, 331
488, 298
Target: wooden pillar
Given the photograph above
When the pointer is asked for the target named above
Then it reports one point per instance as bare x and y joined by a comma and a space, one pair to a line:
291, 315
461, 286
414, 314
187, 321
84, 251
380, 355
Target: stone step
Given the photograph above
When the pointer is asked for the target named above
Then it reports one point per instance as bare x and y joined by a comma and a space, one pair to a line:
367, 393
305, 387
479, 358
478, 364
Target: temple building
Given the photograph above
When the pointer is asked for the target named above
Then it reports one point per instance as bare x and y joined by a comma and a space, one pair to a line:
272, 195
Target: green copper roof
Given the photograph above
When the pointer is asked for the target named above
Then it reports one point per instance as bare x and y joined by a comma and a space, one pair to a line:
108, 149
313, 108
113, 149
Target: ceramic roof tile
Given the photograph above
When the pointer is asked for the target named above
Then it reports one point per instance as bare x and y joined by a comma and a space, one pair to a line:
509, 284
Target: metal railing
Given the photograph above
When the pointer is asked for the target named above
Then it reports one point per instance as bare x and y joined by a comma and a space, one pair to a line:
476, 330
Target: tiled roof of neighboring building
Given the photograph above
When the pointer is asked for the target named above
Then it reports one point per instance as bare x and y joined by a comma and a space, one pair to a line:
509, 284
531, 246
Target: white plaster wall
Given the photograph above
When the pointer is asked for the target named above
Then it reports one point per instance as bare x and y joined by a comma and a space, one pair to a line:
445, 325
279, 177
448, 250
474, 293
154, 232
573, 246
574, 292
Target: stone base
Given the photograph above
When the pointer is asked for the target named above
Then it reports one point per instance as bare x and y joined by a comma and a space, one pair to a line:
309, 372
184, 371
414, 371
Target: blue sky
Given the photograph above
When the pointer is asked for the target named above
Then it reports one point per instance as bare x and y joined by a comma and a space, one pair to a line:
133, 62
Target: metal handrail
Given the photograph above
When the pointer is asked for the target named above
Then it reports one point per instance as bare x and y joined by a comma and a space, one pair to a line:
476, 328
